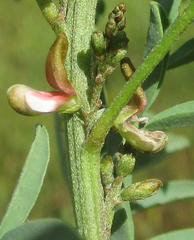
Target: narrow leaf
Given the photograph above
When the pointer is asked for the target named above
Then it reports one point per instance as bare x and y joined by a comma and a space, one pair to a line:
170, 192
29, 184
157, 26
44, 229
174, 12
183, 55
185, 234
181, 115
123, 227
167, 5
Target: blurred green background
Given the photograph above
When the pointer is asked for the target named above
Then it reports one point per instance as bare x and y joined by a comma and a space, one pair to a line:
25, 38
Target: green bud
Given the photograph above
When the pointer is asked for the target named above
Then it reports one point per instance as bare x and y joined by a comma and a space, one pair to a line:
121, 7
141, 190
115, 58
121, 24
98, 43
125, 165
111, 27
107, 168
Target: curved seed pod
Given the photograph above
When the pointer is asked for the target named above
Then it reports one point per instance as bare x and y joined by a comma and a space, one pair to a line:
55, 71
138, 101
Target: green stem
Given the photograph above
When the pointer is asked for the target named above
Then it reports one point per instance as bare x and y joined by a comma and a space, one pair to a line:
83, 161
51, 14
101, 128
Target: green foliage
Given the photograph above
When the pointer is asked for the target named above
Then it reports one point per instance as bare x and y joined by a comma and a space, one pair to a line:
29, 184
181, 115
44, 229
157, 26
183, 55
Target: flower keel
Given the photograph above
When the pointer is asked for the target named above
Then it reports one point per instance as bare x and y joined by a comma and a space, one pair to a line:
30, 102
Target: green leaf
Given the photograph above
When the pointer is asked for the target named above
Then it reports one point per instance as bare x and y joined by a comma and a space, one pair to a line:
184, 234
175, 143
123, 227
171, 7
181, 115
171, 191
44, 229
167, 5
174, 12
174, 7
183, 55
29, 184
158, 24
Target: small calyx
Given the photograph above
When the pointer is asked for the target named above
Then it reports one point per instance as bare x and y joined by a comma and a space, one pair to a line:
30, 102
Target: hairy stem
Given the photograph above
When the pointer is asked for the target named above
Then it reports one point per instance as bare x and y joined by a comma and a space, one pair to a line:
77, 18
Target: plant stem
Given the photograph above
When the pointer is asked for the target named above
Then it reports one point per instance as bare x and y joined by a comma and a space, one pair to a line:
154, 57
83, 162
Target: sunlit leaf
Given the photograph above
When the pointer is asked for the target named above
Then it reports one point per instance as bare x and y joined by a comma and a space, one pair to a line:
181, 115
29, 184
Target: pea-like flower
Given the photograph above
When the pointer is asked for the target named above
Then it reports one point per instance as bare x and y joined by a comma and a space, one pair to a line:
30, 102
142, 140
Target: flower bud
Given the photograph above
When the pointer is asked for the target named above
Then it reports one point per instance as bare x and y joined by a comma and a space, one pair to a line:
141, 190
107, 167
98, 43
55, 71
125, 165
111, 27
30, 102
121, 24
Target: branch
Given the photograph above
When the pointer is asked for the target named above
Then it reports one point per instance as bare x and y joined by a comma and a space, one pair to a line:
104, 124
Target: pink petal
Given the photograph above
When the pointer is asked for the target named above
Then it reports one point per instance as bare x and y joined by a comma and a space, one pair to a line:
45, 102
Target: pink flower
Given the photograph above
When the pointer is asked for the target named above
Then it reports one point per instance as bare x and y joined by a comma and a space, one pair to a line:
28, 101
